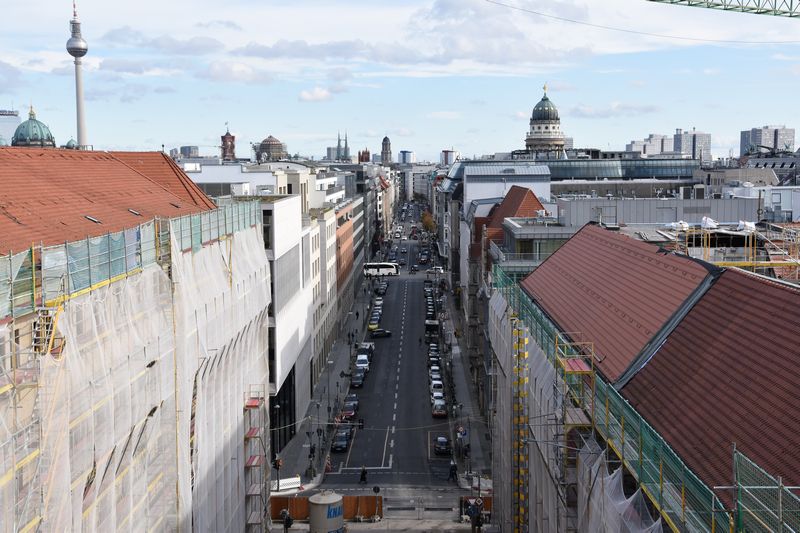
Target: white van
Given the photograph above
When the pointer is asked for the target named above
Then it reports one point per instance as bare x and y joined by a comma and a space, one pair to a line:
437, 386
362, 361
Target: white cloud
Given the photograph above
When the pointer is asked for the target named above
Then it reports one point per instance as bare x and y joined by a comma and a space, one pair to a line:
520, 115
9, 76
197, 45
445, 115
231, 71
616, 109
317, 94
225, 24
401, 132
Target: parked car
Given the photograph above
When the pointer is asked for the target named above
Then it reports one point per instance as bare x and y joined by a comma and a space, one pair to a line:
441, 446
352, 398
380, 333
437, 386
373, 324
362, 362
341, 441
434, 369
435, 270
437, 396
349, 410
377, 302
439, 409
357, 378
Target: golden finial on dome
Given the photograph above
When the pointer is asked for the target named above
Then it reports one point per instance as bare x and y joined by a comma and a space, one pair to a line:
545, 88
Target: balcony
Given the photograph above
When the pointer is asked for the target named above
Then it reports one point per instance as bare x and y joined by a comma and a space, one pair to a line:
514, 260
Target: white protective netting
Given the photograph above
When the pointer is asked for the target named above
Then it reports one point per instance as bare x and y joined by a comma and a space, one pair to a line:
221, 325
602, 504
108, 410
115, 444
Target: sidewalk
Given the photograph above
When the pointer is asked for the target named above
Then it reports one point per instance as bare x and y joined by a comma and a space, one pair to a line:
468, 417
295, 454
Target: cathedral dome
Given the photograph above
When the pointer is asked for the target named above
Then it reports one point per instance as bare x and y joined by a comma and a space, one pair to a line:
271, 149
33, 133
270, 141
544, 110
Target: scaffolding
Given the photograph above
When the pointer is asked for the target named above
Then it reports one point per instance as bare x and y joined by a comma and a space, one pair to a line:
772, 247
574, 364
520, 462
88, 373
682, 500
255, 445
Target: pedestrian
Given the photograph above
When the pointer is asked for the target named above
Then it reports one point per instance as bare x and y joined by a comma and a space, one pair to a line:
363, 479
356, 315
453, 476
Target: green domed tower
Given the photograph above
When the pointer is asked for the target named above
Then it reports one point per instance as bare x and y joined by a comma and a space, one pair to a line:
33, 133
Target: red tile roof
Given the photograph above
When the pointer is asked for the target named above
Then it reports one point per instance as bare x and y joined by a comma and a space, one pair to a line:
729, 373
612, 290
160, 168
46, 194
518, 202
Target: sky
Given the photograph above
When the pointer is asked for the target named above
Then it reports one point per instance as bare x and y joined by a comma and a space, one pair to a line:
430, 74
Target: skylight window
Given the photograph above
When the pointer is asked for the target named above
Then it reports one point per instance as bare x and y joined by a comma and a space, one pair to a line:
92, 219
135, 212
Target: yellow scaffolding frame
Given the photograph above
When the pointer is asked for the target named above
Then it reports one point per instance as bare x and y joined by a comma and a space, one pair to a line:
520, 458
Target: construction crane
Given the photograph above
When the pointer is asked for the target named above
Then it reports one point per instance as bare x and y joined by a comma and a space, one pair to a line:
775, 8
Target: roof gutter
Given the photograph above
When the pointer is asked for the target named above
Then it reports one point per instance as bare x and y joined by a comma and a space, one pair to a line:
657, 341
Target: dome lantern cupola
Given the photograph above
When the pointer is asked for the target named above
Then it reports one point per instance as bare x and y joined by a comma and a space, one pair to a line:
545, 136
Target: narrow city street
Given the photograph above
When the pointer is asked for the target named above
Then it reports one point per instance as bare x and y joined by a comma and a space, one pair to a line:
396, 443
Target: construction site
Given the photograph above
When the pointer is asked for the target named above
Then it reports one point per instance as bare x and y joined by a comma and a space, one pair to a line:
133, 362
640, 389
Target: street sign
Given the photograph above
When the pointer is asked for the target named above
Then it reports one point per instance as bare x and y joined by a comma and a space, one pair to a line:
478, 502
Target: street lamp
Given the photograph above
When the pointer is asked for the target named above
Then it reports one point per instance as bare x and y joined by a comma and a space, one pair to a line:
328, 391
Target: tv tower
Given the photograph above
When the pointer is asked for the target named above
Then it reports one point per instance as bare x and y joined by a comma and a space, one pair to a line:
77, 48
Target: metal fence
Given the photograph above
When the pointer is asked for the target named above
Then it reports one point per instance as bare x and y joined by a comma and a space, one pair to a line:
763, 503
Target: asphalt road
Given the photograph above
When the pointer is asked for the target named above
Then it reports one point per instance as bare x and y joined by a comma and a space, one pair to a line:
396, 444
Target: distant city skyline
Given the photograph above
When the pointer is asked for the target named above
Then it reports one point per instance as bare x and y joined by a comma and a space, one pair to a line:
174, 74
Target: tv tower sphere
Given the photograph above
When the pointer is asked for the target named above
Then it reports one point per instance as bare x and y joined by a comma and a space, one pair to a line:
76, 45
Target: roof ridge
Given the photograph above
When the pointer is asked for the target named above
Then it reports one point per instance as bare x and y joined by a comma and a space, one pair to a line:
158, 183
191, 187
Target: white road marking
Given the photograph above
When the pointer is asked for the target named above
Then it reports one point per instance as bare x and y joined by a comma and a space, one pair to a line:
392, 430
384, 447
350, 449
394, 417
395, 395
395, 406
